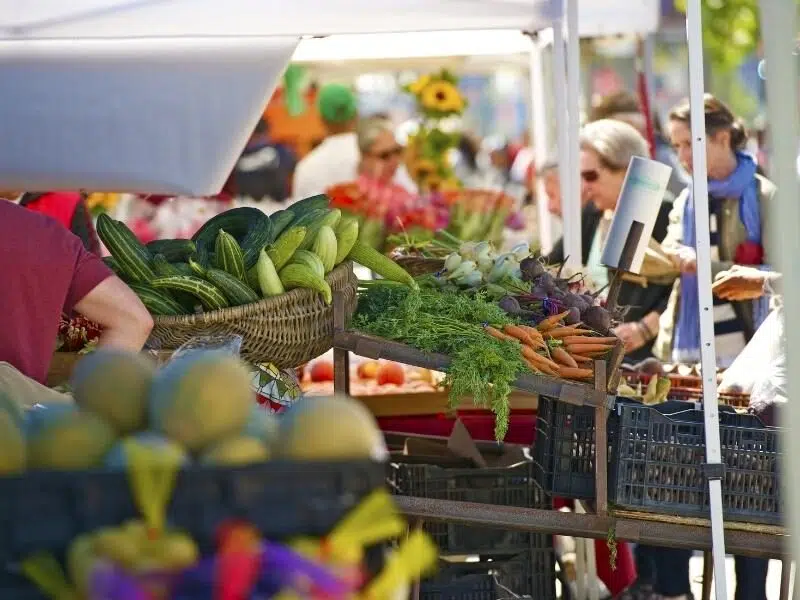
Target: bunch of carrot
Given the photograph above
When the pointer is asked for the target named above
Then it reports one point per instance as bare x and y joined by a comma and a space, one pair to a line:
552, 348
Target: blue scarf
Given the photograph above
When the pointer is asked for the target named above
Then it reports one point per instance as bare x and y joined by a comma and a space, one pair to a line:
740, 184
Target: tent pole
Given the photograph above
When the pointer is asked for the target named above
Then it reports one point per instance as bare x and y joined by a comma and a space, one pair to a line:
707, 349
571, 203
560, 116
781, 21
539, 135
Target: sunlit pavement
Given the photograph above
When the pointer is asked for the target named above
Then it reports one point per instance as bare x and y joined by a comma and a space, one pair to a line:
696, 570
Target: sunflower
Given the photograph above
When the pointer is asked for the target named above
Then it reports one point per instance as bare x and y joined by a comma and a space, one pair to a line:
422, 169
419, 85
441, 96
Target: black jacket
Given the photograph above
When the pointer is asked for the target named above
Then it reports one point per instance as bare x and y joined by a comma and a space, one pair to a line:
590, 218
643, 300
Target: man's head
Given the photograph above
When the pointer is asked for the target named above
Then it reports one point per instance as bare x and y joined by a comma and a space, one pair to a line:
620, 106
337, 107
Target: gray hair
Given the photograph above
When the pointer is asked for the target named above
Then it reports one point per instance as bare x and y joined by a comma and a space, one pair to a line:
615, 142
368, 131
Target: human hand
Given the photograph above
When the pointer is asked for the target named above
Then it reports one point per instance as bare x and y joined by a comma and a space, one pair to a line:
740, 283
686, 260
631, 334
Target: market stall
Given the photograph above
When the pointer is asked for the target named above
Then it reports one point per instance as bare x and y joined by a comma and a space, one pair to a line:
593, 394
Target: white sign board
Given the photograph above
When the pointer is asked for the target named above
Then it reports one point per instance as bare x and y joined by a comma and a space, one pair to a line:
639, 201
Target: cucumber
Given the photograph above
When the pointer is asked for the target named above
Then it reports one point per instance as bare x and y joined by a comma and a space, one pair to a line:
129, 253
285, 246
309, 259
249, 226
182, 268
300, 276
267, 277
308, 204
196, 267
112, 264
346, 236
163, 268
236, 291
280, 221
156, 302
384, 266
173, 250
229, 256
252, 277
209, 295
312, 222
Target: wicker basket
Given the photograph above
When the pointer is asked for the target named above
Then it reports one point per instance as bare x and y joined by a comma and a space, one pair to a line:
287, 330
417, 265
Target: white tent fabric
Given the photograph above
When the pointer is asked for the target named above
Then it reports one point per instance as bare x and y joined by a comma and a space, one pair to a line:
157, 18
160, 95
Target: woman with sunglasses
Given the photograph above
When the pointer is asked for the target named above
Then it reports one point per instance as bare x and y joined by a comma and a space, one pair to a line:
607, 147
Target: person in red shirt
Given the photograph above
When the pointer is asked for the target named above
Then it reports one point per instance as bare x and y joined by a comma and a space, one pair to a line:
45, 271
69, 209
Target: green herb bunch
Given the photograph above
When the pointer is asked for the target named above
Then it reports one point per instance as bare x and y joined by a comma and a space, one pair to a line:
451, 324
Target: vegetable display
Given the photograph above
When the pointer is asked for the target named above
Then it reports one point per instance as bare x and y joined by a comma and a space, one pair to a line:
241, 256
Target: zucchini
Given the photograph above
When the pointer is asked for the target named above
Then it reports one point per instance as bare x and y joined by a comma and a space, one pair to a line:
285, 246
384, 266
182, 268
209, 295
129, 253
163, 268
346, 236
249, 226
280, 221
252, 278
309, 259
229, 256
173, 250
267, 277
235, 290
305, 205
332, 218
156, 302
300, 276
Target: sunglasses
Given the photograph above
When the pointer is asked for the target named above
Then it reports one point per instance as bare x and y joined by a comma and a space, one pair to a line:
590, 176
389, 154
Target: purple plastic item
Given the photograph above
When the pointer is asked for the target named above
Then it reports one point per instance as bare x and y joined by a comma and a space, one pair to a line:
107, 581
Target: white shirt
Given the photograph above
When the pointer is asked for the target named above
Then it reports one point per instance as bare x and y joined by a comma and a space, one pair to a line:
334, 161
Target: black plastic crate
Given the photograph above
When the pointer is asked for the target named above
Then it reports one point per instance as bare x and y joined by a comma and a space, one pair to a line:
44, 511
530, 573
563, 450
658, 464
512, 486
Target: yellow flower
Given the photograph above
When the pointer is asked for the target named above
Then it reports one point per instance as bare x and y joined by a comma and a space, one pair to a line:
419, 85
450, 184
442, 96
422, 169
102, 201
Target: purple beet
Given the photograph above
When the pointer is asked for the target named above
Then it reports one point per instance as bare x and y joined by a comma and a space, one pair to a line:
598, 318
531, 269
573, 316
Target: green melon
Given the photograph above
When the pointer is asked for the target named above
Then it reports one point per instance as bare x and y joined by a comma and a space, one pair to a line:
114, 385
13, 408
12, 445
117, 457
71, 440
334, 428
261, 425
236, 451
201, 398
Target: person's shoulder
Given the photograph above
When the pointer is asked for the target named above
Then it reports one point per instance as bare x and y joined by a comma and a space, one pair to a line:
44, 229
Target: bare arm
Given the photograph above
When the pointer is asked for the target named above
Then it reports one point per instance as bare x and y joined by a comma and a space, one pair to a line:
125, 321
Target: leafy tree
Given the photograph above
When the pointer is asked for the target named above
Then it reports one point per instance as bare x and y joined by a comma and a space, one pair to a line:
731, 30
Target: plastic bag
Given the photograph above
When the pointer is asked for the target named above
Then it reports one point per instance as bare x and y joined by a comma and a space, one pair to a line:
231, 344
757, 358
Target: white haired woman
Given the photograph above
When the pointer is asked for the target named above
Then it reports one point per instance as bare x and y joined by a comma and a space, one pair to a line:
607, 147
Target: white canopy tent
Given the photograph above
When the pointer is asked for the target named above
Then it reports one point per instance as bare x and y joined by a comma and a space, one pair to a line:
98, 86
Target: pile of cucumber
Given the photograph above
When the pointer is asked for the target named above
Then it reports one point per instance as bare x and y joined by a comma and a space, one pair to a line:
241, 256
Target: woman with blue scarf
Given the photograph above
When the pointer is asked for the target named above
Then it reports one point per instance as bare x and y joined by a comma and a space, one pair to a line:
739, 203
